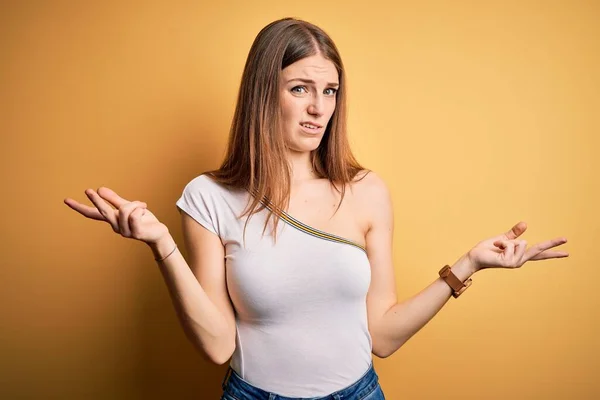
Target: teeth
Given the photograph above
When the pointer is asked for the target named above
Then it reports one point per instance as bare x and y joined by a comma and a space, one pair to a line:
309, 126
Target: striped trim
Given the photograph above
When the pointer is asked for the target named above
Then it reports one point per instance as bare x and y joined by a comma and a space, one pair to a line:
312, 231
317, 233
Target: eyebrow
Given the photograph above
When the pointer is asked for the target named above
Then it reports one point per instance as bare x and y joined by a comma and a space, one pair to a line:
312, 82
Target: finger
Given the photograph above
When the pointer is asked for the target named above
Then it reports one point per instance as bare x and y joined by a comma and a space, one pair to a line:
134, 217
504, 244
87, 211
549, 254
516, 231
105, 210
539, 248
510, 248
112, 197
508, 252
520, 248
123, 216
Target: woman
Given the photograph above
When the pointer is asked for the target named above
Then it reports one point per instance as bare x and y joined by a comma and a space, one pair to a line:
290, 241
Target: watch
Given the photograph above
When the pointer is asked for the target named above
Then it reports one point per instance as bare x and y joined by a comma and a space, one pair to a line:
456, 284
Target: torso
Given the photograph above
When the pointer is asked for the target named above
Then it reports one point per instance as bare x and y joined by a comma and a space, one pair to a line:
301, 298
315, 202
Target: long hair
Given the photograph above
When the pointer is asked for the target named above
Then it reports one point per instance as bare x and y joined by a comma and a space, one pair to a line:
256, 153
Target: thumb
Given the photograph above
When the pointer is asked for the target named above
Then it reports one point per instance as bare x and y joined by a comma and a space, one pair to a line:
516, 231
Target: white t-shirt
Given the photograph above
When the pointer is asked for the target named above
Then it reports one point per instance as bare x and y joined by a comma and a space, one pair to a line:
300, 303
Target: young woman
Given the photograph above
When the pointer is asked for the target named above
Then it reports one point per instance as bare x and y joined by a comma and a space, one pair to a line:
290, 269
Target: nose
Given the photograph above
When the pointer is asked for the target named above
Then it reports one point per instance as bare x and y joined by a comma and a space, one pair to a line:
315, 107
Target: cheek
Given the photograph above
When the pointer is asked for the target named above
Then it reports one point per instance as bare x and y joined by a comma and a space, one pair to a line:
289, 110
331, 109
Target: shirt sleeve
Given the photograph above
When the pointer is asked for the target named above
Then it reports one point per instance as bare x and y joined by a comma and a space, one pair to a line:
198, 200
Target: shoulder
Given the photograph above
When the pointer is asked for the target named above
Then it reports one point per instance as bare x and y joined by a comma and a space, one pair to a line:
369, 184
202, 180
207, 184
372, 196
205, 191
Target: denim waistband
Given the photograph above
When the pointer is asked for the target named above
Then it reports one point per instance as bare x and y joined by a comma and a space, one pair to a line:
237, 387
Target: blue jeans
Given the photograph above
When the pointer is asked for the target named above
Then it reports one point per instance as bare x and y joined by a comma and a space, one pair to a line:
365, 388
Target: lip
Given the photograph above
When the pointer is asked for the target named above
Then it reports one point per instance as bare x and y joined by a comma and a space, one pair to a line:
312, 131
312, 123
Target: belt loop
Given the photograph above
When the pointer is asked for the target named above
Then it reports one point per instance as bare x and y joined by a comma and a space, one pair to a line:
226, 378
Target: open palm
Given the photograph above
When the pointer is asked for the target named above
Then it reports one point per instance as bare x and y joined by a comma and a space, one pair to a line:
131, 219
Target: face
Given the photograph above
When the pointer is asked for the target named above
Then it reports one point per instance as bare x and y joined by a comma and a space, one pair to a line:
308, 96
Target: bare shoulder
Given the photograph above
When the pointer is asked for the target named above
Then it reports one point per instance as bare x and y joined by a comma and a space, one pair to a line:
372, 196
370, 185
367, 177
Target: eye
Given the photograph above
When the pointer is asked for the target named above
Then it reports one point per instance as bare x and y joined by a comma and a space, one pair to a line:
332, 91
299, 87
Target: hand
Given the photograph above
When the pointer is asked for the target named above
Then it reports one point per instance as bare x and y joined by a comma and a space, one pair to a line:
505, 251
131, 219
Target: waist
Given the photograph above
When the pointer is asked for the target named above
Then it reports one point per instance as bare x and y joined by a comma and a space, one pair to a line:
238, 387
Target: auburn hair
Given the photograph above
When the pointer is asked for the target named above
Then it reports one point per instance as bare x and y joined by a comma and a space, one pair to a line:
256, 153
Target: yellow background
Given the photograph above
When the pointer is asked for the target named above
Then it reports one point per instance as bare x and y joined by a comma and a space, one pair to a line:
476, 114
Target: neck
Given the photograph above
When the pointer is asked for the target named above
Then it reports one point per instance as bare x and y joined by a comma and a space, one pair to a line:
302, 169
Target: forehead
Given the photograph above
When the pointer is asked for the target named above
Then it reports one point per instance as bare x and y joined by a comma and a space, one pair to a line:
316, 67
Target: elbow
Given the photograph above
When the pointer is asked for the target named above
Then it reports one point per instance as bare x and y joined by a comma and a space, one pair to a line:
220, 359
217, 352
382, 353
384, 349
220, 355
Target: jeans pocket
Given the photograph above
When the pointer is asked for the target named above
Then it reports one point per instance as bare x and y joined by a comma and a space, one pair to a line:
375, 394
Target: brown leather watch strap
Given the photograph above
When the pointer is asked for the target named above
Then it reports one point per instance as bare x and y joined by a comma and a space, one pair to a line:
458, 287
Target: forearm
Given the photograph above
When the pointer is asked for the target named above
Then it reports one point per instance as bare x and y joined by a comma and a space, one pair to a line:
203, 323
405, 319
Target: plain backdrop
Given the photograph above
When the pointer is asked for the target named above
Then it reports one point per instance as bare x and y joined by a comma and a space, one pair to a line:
476, 114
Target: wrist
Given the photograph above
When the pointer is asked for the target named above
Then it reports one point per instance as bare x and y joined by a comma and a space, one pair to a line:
474, 266
463, 268
162, 246
458, 275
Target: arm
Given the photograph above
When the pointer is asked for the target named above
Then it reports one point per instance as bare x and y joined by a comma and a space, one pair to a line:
392, 324
199, 291
401, 321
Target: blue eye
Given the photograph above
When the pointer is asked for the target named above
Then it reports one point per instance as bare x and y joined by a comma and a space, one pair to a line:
298, 87
303, 89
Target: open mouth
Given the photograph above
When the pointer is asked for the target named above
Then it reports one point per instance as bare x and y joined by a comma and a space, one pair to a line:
310, 127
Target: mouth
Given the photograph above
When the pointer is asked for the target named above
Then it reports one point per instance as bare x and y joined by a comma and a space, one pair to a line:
311, 127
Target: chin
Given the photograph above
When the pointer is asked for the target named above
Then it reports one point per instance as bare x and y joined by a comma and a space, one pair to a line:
301, 143
304, 146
